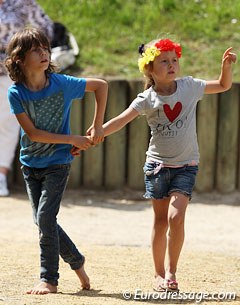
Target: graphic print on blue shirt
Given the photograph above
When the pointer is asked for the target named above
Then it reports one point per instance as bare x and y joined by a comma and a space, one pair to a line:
46, 114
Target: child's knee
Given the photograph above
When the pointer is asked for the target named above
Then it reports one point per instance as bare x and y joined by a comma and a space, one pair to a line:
176, 220
160, 223
46, 222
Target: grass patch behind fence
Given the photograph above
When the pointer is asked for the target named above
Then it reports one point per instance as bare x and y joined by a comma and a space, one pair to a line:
110, 31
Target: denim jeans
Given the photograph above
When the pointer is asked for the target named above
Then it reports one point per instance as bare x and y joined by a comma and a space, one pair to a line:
45, 188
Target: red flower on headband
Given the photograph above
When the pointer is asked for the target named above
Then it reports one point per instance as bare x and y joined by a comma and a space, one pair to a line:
168, 45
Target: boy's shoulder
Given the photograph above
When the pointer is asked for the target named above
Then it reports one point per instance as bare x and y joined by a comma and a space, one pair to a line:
15, 87
64, 77
56, 76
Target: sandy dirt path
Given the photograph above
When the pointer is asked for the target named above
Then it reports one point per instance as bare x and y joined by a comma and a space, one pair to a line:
113, 231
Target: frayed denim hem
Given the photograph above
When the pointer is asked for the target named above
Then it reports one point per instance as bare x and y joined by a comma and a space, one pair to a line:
77, 266
146, 196
51, 282
181, 192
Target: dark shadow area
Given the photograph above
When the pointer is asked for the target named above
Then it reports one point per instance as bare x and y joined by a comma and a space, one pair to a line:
126, 199
154, 297
122, 199
214, 198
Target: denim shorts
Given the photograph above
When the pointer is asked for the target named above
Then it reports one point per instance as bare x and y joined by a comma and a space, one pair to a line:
161, 184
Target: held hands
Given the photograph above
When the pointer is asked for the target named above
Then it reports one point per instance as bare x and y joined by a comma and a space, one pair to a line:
95, 135
80, 143
228, 58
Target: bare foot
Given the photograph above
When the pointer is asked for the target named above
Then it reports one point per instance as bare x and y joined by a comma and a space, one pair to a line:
43, 288
84, 279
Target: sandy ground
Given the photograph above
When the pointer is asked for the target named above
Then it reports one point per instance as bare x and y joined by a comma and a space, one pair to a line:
113, 231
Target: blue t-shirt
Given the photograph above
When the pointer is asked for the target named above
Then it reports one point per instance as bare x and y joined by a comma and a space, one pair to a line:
49, 110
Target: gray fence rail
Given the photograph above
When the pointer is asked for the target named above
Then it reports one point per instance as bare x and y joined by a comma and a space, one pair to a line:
118, 161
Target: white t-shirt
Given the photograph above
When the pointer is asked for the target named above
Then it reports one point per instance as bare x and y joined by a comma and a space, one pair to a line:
172, 120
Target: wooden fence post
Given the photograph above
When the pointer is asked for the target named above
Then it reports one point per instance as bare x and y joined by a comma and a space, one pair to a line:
207, 140
138, 138
227, 148
75, 177
115, 144
93, 157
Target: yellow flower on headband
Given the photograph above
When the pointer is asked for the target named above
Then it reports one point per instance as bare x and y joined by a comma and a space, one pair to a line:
147, 56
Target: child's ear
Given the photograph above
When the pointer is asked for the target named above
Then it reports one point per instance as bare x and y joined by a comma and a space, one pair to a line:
150, 67
19, 62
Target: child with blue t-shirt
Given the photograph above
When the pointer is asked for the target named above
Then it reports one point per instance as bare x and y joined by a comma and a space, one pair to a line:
169, 104
41, 100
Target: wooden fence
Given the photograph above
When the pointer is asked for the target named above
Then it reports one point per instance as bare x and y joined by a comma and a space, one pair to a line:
119, 160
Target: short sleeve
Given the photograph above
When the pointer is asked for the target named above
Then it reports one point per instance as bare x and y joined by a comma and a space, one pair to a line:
14, 100
75, 87
142, 102
197, 87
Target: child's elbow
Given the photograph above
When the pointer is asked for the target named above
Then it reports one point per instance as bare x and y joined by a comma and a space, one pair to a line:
104, 84
226, 88
32, 135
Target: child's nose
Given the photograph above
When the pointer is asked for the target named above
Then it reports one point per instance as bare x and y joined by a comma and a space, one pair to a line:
43, 50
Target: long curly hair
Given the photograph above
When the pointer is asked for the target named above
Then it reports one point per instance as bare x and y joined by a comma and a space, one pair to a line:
16, 50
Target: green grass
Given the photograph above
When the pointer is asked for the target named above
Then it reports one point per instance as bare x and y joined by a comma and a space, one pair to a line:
110, 31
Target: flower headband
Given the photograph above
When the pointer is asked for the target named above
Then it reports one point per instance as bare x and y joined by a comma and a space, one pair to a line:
151, 52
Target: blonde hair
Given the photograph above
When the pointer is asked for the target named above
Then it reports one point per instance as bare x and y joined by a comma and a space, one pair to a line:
149, 82
20, 43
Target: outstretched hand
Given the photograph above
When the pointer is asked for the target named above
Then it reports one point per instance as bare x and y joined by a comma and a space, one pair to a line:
229, 57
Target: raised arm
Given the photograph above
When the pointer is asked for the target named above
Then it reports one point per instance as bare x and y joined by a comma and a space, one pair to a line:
119, 121
100, 88
225, 79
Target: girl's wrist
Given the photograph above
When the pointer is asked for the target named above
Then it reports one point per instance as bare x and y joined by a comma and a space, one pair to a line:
97, 124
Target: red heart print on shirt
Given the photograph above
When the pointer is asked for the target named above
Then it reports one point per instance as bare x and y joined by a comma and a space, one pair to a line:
172, 114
